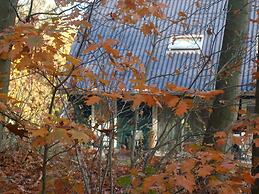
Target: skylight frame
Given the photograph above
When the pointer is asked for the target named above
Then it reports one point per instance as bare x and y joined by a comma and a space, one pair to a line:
193, 43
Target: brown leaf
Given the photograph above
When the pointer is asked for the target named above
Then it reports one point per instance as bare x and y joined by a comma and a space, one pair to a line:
14, 128
205, 170
182, 14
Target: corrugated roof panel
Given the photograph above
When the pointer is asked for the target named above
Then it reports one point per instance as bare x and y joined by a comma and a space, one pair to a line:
249, 65
205, 17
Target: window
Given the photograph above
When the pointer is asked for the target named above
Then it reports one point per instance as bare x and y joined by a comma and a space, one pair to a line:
185, 43
127, 121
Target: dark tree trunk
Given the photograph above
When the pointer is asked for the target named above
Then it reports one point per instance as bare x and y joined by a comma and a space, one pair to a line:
255, 150
7, 19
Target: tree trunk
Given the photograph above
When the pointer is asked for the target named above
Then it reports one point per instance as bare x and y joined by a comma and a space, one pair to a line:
225, 106
7, 19
255, 150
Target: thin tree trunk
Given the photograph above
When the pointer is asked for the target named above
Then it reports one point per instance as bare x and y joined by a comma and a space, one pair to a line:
7, 19
226, 105
255, 150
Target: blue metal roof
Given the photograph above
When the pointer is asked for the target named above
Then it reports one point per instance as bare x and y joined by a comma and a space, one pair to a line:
179, 68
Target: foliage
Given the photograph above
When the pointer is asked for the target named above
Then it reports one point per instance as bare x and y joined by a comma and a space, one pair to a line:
59, 154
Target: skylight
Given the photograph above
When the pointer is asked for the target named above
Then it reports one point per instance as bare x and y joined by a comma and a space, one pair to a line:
185, 43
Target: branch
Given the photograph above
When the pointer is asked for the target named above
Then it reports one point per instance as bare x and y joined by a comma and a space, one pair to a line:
53, 14
61, 152
16, 12
29, 13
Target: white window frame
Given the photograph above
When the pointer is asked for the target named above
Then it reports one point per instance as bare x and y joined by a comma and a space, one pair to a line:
185, 43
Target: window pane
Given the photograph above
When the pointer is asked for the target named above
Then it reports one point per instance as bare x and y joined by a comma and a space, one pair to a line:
186, 43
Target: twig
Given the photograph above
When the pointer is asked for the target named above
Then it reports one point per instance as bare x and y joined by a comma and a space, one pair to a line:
61, 152
83, 170
29, 13
16, 12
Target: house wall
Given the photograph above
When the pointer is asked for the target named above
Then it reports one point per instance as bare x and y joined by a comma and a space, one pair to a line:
170, 128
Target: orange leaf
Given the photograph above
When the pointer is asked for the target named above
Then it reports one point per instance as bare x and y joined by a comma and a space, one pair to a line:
181, 108
39, 132
205, 170
185, 183
86, 24
171, 167
176, 88
188, 165
91, 47
146, 29
214, 182
256, 141
210, 94
172, 101
248, 178
150, 101
227, 189
112, 51
93, 100
110, 42
39, 141
237, 140
138, 99
151, 181
79, 188
148, 183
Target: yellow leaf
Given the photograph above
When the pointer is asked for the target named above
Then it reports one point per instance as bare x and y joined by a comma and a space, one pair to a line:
58, 134
39, 132
73, 60
79, 135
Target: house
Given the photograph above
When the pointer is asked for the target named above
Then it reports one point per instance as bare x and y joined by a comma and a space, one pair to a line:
186, 53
